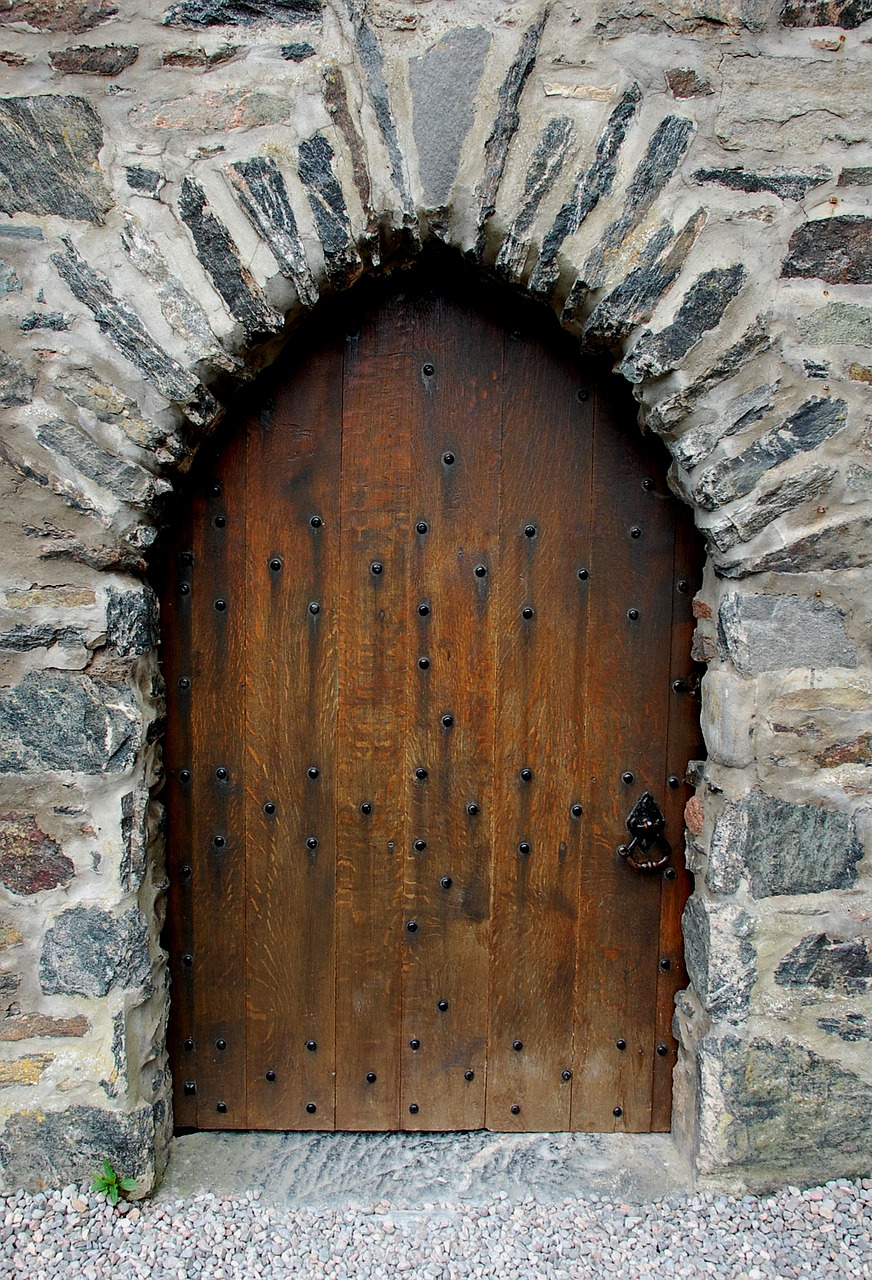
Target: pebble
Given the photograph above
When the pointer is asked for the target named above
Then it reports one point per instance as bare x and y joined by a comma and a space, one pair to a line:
795, 1235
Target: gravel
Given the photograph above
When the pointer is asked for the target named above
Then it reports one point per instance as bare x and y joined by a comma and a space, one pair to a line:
825, 1231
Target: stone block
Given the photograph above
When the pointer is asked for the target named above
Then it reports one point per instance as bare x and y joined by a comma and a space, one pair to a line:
684, 82
74, 16
9, 936
263, 195
132, 621
125, 480
9, 983
23, 1071
57, 720
848, 14
743, 523
240, 13
52, 1148
30, 861
91, 60
770, 633
16, 384
839, 322
668, 17
327, 203
298, 51
49, 146
838, 250
829, 964
720, 957
850, 1028
28, 1026
845, 544
701, 309
90, 952
444, 82
782, 848
728, 718
787, 184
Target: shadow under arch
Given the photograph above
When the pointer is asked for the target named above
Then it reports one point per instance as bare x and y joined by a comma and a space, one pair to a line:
584, 1042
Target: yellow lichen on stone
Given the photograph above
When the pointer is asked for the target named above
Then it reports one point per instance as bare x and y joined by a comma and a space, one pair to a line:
24, 1070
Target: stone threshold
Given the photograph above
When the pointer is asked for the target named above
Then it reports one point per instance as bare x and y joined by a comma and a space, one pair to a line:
409, 1170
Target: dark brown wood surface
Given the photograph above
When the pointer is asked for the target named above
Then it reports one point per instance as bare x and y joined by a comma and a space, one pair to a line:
390, 907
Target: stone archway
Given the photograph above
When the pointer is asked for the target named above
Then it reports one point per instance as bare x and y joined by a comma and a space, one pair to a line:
160, 257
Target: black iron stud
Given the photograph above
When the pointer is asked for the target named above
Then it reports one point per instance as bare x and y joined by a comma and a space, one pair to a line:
311, 1045
527, 612
472, 809
576, 810
524, 847
314, 607
517, 1045
189, 1045
448, 459
190, 1088
447, 721
428, 370
584, 574
184, 775
469, 1075
679, 685
311, 1108
420, 773
221, 1108
647, 484
617, 1112
442, 1006
184, 588
633, 615
220, 522
216, 490
628, 778
219, 842
421, 527
312, 773
424, 610
220, 606
276, 564
311, 842
185, 872
415, 1044
683, 586
222, 774
269, 809
366, 808
529, 531
662, 1051
566, 1075
621, 1044
635, 532
376, 567
480, 570
316, 522
271, 1076
669, 873
371, 1077
515, 1109
420, 846
412, 926
673, 781
583, 394
186, 557
665, 964
184, 683
424, 664
445, 882
414, 1108
221, 1045
526, 775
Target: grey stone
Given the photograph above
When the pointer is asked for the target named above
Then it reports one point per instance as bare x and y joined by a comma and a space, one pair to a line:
91, 60
784, 183
9, 282
132, 621
97, 396
16, 384
240, 13
846, 544
671, 411
860, 177
745, 522
505, 126
444, 81
134, 839
55, 321
669, 17
632, 302
816, 369
45, 1148
590, 186
839, 322
9, 984
336, 101
147, 182
20, 232
131, 336
851, 1028
546, 163
24, 639
666, 149
787, 1110
772, 633
728, 718
126, 480
837, 249
697, 443
701, 309
815, 421
297, 51
781, 848
48, 158
219, 255
90, 952
327, 203
684, 82
59, 720
264, 197
830, 964
826, 13
720, 957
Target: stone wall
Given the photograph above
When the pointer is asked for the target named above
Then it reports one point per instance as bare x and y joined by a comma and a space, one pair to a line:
688, 185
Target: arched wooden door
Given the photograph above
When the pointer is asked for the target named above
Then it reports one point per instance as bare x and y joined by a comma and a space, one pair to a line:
424, 641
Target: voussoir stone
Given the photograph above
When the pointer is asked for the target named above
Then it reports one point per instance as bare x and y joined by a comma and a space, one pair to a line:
768, 633
444, 81
90, 952
60, 720
48, 158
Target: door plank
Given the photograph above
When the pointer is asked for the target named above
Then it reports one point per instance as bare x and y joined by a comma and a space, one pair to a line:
294, 451
455, 491
545, 487
626, 701
375, 634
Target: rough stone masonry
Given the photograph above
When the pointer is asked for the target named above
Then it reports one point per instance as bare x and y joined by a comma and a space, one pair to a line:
687, 183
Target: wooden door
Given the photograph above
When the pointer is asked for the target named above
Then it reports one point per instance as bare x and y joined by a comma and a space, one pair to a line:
426, 643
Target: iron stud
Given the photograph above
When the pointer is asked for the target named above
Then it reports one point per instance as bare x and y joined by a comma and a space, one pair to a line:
216, 490
412, 926
526, 775
220, 606
517, 1045
420, 846
617, 1112
184, 775
480, 570
633, 615
366, 808
669, 873
311, 1108
583, 395
220, 522
371, 1077
420, 773
469, 1075
221, 1108
421, 526
529, 531
621, 1044
673, 781
271, 1077
276, 564
312, 842
316, 522
679, 685
527, 612
576, 810
524, 847
415, 1044
584, 574
442, 1006
635, 532
566, 1075
472, 809
445, 882
184, 683
424, 610
189, 1045
424, 664
428, 370
311, 1045
414, 1108
219, 842
312, 773
221, 1045
184, 588
190, 1088
314, 607
269, 808
665, 964
376, 567
628, 778
221, 774
447, 721
647, 484
448, 459
683, 586
662, 1051
515, 1109
185, 872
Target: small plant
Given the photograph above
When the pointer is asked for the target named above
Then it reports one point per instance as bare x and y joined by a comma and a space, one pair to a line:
109, 1182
